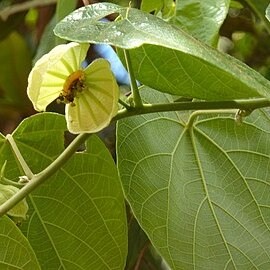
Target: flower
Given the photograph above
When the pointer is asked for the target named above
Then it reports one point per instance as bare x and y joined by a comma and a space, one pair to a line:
90, 94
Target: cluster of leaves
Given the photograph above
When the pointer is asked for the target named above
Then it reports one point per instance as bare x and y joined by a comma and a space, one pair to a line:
196, 183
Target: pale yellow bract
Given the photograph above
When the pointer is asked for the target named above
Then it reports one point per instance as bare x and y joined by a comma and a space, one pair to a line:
91, 98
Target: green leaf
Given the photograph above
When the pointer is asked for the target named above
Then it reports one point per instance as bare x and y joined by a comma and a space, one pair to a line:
165, 6
16, 252
48, 40
201, 193
15, 66
77, 218
64, 7
236, 5
202, 19
170, 60
19, 210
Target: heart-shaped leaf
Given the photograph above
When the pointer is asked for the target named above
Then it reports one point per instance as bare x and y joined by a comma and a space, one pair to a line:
200, 192
76, 218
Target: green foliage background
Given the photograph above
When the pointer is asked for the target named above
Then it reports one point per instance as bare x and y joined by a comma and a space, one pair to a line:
186, 190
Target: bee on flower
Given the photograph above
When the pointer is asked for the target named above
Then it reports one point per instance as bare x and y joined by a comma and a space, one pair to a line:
90, 94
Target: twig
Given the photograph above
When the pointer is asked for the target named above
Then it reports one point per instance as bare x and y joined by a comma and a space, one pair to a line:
133, 84
86, 2
138, 263
6, 12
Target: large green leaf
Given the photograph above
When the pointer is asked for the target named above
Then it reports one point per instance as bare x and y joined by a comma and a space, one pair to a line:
169, 60
15, 250
77, 218
202, 19
201, 193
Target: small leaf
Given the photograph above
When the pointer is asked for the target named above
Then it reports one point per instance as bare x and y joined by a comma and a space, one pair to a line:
20, 209
64, 7
165, 6
16, 252
170, 60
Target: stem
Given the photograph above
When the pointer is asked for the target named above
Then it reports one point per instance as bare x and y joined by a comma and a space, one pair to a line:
124, 104
86, 2
19, 157
195, 114
9, 182
142, 253
38, 179
133, 84
6, 12
244, 104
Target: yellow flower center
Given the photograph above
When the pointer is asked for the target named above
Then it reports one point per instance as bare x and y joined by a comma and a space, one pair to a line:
73, 84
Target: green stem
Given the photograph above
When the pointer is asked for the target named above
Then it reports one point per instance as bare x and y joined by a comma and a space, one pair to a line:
244, 104
195, 114
19, 157
133, 84
124, 104
38, 179
9, 182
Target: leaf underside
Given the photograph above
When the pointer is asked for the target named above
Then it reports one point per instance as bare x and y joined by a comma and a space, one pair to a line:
201, 194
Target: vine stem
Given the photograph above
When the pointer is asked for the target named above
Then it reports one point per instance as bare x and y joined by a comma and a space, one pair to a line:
243, 104
218, 106
133, 84
41, 177
6, 12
